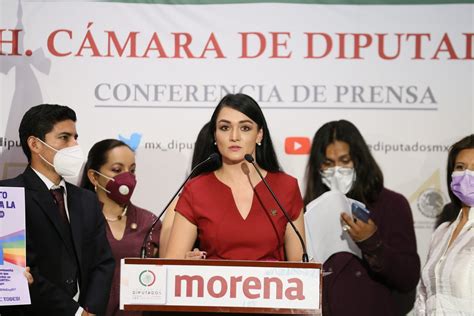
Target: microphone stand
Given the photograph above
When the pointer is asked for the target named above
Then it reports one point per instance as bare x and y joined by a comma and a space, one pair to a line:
305, 258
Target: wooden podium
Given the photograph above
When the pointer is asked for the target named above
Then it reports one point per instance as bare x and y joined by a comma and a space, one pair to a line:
220, 286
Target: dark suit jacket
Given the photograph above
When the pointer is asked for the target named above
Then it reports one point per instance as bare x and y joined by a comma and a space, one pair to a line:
54, 260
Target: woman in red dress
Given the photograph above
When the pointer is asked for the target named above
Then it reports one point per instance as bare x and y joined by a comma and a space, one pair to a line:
229, 209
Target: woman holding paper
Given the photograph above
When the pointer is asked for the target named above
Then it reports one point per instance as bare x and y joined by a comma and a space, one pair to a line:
340, 160
447, 280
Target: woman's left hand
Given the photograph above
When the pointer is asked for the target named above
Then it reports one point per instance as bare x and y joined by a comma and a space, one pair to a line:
196, 254
357, 229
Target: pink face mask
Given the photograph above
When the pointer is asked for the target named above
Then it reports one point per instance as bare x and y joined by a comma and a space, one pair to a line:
462, 185
119, 188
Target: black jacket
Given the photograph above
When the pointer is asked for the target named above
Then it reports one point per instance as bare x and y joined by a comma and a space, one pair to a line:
59, 257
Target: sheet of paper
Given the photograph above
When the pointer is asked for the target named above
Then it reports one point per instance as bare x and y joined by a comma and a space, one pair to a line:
13, 284
324, 233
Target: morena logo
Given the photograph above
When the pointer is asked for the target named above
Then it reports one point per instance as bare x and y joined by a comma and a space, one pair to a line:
147, 278
238, 286
297, 145
133, 141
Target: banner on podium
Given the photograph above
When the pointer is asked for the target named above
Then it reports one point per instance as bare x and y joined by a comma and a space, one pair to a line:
223, 284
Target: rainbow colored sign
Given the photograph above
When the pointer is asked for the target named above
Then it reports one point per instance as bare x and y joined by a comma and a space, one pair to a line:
12, 248
13, 284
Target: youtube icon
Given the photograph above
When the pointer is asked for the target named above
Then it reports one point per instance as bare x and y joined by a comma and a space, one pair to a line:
297, 145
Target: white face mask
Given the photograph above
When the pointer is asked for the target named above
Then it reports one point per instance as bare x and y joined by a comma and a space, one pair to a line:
339, 178
68, 161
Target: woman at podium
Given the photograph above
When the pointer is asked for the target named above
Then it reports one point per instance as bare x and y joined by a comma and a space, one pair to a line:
110, 172
229, 209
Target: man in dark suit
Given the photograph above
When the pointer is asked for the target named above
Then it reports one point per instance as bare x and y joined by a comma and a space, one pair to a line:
66, 246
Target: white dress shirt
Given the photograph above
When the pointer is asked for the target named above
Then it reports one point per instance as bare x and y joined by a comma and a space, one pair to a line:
51, 186
447, 279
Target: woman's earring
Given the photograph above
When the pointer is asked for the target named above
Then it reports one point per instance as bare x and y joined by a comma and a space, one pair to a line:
215, 143
259, 144
95, 188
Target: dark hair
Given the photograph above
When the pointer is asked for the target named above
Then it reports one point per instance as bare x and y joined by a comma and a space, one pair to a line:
265, 154
465, 143
202, 147
40, 120
369, 177
448, 214
97, 157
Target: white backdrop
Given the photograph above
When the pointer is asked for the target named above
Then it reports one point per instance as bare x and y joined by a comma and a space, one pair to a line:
152, 73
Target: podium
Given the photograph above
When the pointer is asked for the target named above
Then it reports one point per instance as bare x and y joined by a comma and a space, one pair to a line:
220, 286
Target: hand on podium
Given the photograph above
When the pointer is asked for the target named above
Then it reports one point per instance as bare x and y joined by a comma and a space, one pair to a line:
196, 254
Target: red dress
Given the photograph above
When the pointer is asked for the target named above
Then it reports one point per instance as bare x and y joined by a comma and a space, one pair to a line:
222, 232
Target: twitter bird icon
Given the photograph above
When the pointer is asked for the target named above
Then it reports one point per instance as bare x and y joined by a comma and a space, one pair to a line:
133, 141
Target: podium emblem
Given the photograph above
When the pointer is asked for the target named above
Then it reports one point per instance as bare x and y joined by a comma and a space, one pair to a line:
147, 278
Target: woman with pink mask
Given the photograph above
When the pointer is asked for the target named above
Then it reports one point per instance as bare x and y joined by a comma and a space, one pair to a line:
447, 279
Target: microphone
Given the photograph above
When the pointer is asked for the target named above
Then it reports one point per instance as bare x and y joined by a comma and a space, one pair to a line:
213, 158
305, 258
